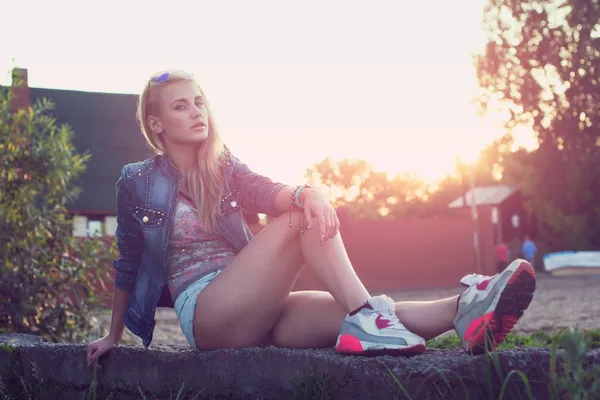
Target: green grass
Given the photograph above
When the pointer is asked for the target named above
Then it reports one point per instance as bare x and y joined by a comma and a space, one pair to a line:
312, 386
536, 339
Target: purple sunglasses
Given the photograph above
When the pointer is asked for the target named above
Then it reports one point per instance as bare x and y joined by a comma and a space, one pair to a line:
162, 78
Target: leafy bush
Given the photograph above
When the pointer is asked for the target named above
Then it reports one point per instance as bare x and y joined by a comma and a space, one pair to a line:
46, 274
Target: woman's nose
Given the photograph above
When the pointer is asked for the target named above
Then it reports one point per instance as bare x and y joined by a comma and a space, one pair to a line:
196, 112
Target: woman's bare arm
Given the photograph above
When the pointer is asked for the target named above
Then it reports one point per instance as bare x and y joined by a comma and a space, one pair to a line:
117, 322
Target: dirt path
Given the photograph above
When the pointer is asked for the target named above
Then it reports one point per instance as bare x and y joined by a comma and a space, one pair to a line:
558, 303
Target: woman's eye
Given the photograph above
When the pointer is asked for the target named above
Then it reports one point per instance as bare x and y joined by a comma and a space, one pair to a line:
179, 107
199, 103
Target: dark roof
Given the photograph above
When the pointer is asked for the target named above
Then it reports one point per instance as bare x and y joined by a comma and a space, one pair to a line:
105, 125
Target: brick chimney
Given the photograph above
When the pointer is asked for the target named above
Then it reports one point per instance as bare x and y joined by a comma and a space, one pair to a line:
20, 101
20, 89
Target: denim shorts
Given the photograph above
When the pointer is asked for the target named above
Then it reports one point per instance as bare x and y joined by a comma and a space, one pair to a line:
185, 305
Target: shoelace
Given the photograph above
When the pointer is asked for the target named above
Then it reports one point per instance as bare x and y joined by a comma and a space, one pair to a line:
395, 323
472, 279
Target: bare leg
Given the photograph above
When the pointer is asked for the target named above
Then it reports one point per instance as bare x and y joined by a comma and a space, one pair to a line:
312, 319
244, 304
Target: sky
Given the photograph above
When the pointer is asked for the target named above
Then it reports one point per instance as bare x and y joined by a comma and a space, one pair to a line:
290, 83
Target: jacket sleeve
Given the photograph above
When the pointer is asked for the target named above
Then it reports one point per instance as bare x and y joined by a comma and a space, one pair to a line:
130, 239
257, 193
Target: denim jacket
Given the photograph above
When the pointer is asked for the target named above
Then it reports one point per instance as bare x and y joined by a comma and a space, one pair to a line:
146, 198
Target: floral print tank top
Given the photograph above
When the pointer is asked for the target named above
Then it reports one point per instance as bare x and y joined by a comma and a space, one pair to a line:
193, 253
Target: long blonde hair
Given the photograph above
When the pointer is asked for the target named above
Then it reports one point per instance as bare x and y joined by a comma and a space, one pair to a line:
204, 179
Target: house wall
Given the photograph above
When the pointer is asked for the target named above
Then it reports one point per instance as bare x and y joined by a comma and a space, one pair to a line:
84, 225
514, 205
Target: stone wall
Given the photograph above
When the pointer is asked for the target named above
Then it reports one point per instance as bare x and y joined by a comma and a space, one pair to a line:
60, 372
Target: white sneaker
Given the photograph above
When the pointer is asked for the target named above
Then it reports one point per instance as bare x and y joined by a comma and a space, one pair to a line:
377, 330
493, 305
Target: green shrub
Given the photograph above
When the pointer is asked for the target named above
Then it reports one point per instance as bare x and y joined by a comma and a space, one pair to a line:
46, 274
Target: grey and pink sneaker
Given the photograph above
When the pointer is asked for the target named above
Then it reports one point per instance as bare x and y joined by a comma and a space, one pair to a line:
375, 329
491, 306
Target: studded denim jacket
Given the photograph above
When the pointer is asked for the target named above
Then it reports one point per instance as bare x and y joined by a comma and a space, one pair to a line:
146, 197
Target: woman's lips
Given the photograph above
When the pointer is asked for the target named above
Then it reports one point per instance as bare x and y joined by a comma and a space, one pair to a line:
199, 125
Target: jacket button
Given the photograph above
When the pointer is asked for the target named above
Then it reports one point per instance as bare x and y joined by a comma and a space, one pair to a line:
145, 219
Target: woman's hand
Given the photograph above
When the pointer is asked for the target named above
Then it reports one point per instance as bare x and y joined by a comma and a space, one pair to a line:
318, 207
99, 347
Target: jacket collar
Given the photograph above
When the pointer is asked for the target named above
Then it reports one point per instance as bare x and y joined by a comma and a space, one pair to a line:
169, 167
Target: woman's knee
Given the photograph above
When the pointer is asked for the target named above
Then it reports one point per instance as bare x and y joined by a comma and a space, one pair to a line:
285, 229
290, 220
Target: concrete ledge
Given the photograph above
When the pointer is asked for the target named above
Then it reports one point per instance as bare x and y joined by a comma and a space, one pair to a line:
271, 373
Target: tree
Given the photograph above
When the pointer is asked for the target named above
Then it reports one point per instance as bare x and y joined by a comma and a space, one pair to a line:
542, 62
46, 275
366, 193
354, 186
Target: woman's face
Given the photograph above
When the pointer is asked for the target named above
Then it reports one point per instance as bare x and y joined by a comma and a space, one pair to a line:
181, 117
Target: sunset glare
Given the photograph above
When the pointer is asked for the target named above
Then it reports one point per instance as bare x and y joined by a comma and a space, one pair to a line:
290, 83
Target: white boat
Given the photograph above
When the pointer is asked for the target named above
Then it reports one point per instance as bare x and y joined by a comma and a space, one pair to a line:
571, 263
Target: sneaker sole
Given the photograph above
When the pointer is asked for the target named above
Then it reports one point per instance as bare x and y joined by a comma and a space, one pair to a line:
498, 321
349, 344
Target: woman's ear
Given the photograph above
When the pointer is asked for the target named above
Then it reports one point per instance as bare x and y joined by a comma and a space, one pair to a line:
155, 125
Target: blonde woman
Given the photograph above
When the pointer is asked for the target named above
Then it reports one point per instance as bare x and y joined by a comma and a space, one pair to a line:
182, 240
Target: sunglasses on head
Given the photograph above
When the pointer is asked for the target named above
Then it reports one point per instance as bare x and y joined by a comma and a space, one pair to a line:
163, 77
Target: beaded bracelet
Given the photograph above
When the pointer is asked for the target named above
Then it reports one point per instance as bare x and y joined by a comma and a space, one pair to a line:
296, 195
295, 203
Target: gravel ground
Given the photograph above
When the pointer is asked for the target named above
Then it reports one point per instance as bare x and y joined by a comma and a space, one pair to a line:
558, 303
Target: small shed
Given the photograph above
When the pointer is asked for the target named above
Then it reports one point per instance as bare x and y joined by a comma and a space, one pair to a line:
506, 206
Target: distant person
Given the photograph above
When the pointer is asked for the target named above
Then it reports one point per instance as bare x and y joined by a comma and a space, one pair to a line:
181, 231
502, 254
529, 249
